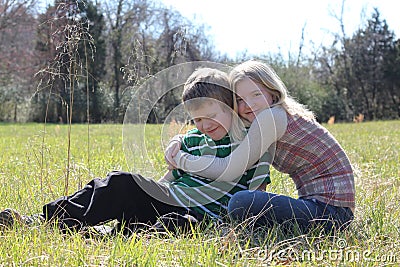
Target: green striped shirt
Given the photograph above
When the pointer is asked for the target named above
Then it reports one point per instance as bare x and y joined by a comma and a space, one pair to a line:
206, 196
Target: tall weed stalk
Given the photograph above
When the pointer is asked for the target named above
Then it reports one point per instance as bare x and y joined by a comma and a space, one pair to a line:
67, 70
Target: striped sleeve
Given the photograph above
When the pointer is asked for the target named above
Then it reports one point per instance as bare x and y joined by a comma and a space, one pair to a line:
261, 173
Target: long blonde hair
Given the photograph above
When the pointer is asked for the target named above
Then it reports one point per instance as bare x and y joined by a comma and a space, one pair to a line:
265, 75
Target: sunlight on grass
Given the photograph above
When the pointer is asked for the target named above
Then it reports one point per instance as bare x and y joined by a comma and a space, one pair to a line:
33, 172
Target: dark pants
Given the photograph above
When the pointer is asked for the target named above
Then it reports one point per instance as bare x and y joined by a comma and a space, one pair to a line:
128, 198
267, 209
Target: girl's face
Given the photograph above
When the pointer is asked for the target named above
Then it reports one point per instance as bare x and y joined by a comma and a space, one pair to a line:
252, 98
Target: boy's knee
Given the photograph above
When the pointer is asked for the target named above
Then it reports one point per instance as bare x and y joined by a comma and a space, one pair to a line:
119, 174
118, 179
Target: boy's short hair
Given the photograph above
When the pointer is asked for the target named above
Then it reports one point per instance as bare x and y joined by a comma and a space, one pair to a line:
206, 83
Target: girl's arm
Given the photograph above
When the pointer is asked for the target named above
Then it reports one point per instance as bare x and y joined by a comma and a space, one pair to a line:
168, 177
269, 126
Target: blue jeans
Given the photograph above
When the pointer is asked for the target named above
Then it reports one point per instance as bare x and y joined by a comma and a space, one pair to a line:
266, 209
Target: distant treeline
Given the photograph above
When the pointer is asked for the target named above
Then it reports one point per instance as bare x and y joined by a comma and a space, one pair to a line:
77, 61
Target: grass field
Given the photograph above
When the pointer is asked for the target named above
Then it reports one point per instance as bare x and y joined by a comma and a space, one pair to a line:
33, 171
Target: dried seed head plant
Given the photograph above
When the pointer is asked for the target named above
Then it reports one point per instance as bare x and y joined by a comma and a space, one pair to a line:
66, 46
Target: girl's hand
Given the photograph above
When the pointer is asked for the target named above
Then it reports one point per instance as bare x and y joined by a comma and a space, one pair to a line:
170, 152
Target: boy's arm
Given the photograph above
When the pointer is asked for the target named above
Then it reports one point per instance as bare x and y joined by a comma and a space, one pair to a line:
168, 177
178, 142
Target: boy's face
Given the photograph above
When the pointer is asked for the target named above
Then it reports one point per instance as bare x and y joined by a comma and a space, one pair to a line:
212, 120
252, 98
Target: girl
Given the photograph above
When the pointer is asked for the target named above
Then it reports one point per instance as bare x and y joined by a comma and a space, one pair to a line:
302, 148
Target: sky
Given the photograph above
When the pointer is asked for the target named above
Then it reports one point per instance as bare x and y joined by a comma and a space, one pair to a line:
264, 26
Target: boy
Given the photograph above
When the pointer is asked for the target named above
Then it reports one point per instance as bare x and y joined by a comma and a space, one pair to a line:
209, 102
178, 197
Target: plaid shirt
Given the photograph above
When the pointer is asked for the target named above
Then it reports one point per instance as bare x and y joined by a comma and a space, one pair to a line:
316, 162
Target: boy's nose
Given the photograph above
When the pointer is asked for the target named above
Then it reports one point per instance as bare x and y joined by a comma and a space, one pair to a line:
207, 124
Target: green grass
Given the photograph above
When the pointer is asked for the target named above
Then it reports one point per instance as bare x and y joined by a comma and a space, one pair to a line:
33, 171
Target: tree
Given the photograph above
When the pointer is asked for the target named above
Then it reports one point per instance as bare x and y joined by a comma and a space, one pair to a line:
371, 49
93, 53
356, 72
145, 38
17, 58
392, 83
72, 62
